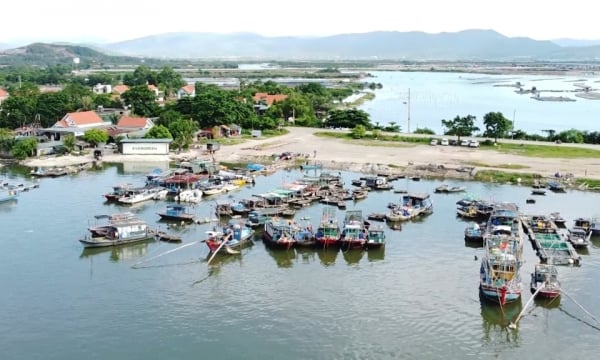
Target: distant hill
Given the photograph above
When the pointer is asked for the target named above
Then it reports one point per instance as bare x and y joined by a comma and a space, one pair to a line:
41, 54
463, 45
575, 42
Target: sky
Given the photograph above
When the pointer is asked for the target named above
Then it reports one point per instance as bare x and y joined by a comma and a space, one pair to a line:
118, 20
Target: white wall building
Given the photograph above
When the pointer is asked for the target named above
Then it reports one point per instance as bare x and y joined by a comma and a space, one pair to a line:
145, 146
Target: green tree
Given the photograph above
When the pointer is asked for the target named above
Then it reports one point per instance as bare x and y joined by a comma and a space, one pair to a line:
24, 148
79, 96
359, 132
18, 110
7, 139
167, 117
460, 126
142, 75
95, 136
69, 142
570, 136
53, 106
348, 118
142, 101
426, 131
158, 132
182, 132
496, 125
169, 80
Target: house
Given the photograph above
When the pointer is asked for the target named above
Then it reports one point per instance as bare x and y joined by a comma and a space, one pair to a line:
120, 89
160, 97
102, 89
268, 99
186, 91
3, 95
77, 123
130, 122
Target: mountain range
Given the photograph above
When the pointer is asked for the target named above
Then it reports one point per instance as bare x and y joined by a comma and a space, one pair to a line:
468, 45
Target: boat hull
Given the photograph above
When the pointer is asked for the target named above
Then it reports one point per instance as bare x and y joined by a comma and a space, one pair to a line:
101, 241
494, 294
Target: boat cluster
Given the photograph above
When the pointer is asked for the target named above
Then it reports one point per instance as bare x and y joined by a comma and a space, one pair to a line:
9, 190
501, 228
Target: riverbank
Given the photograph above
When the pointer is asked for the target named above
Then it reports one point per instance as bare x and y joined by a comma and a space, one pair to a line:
364, 157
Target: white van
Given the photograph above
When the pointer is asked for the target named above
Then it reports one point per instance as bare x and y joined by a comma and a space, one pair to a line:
444, 142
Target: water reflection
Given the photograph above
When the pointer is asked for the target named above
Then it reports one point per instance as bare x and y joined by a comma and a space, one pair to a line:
376, 254
547, 303
496, 320
8, 205
119, 253
327, 256
353, 257
283, 258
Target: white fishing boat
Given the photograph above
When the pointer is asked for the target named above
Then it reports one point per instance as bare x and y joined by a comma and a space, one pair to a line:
135, 197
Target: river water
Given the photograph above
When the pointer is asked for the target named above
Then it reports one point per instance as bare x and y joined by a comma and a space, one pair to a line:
435, 96
417, 299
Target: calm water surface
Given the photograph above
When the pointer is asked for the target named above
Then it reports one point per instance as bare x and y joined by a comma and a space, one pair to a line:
417, 299
435, 96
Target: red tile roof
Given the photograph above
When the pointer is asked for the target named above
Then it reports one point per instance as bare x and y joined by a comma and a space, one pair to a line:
269, 99
190, 88
3, 93
132, 122
79, 119
120, 89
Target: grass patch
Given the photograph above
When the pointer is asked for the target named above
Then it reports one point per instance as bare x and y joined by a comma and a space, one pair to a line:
498, 166
591, 184
546, 151
506, 177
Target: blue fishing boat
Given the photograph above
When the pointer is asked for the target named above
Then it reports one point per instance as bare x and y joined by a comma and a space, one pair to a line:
500, 281
176, 213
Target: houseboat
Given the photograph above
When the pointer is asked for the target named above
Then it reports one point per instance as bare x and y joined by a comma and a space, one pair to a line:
118, 229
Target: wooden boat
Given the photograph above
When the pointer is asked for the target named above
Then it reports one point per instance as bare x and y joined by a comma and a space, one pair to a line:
167, 237
544, 281
411, 205
538, 192
376, 216
473, 233
357, 182
579, 237
279, 234
140, 195
499, 272
354, 232
233, 237
124, 228
446, 189
50, 172
556, 187
119, 191
558, 220
177, 213
467, 211
328, 231
375, 237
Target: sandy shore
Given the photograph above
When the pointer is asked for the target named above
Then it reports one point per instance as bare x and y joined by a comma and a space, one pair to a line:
358, 156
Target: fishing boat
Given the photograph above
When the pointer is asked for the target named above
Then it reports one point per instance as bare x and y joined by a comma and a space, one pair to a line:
354, 231
578, 237
473, 233
467, 210
234, 237
375, 237
538, 192
176, 213
544, 281
558, 220
279, 233
411, 205
119, 191
376, 216
118, 229
595, 226
49, 172
167, 237
500, 281
555, 186
328, 231
139, 195
446, 189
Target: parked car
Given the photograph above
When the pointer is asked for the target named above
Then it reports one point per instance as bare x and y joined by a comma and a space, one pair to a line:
444, 142
474, 143
464, 143
453, 142
433, 142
